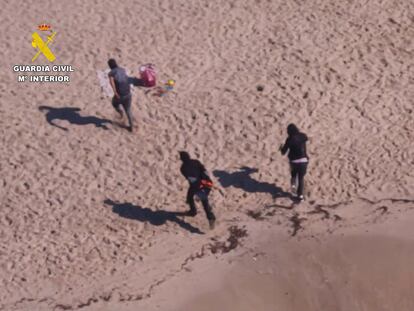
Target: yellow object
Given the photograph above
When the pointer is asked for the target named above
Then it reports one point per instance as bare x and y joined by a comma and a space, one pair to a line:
44, 27
42, 46
170, 82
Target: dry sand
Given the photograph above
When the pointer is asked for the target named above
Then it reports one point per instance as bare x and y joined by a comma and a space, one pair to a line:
87, 209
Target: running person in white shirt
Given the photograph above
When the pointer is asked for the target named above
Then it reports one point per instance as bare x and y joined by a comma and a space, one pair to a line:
298, 158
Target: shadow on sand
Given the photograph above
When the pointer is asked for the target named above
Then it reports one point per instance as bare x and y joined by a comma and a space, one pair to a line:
241, 179
155, 218
71, 114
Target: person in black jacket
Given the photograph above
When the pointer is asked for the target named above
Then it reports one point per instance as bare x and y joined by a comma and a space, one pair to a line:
200, 185
298, 158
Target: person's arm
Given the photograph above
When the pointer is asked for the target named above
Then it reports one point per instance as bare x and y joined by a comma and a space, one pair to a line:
204, 173
285, 147
202, 168
112, 82
182, 171
305, 139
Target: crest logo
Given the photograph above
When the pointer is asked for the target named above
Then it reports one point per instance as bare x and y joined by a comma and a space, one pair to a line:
44, 27
41, 45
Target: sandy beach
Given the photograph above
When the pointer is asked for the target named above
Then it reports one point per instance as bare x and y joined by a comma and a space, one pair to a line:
91, 215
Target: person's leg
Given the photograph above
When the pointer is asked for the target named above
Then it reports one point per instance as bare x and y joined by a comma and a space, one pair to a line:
116, 103
208, 209
293, 176
209, 213
126, 103
301, 176
191, 203
203, 195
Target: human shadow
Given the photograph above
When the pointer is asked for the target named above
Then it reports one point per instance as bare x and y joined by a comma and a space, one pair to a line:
241, 179
155, 218
71, 114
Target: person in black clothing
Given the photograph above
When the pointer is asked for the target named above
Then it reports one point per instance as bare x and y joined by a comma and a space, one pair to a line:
200, 185
122, 93
298, 158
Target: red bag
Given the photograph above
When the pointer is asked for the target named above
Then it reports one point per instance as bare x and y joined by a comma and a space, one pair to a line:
206, 184
148, 76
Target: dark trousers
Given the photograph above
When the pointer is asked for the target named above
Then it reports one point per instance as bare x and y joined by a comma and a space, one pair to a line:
125, 102
298, 171
203, 195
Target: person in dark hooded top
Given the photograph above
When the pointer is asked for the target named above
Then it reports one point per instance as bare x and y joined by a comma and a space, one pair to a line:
298, 158
200, 184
